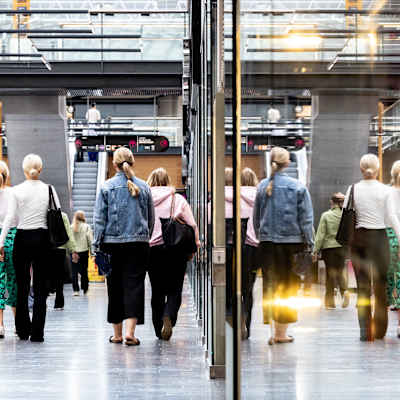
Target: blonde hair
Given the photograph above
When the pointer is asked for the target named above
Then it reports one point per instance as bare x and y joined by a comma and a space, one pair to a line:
249, 178
32, 165
395, 173
79, 217
159, 177
369, 165
123, 159
4, 174
228, 176
280, 158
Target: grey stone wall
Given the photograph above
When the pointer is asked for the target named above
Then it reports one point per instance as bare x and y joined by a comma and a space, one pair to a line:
340, 138
36, 124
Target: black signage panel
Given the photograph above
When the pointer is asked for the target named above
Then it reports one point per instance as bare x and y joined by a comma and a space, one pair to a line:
138, 144
261, 143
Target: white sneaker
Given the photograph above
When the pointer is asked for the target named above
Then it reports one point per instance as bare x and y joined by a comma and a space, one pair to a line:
76, 293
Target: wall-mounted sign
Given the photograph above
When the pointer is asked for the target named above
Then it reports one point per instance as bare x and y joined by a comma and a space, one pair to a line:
138, 144
262, 143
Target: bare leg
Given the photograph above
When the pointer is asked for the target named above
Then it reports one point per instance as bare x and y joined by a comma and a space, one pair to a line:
130, 326
117, 331
398, 322
1, 318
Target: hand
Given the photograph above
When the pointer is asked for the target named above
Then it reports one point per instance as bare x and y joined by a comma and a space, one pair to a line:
2, 254
190, 256
75, 257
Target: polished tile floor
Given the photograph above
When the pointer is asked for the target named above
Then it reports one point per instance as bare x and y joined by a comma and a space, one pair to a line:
327, 361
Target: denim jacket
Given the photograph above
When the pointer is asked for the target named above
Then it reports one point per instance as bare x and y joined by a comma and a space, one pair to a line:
121, 218
286, 216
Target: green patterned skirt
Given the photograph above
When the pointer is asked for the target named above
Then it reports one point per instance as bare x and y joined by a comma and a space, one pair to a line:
393, 282
8, 282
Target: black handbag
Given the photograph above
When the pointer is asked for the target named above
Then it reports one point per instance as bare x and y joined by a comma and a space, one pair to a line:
178, 236
103, 262
347, 225
302, 262
57, 234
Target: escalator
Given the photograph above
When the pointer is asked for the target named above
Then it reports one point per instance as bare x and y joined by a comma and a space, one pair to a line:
85, 187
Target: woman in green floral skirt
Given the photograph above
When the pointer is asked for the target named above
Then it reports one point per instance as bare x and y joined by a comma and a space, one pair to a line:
8, 284
393, 233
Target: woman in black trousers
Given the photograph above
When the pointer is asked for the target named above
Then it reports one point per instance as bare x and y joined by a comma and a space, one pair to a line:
370, 249
167, 268
123, 224
29, 204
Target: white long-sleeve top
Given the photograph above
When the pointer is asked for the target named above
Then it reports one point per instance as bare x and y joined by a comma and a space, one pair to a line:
393, 210
5, 195
28, 202
370, 203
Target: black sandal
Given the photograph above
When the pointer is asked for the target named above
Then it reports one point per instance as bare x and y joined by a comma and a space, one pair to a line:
132, 342
115, 341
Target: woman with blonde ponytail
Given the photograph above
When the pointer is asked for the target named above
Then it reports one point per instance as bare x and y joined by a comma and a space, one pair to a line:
370, 249
283, 223
393, 221
7, 272
123, 225
29, 205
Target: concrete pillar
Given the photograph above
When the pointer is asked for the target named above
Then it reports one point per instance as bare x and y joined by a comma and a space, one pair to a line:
36, 124
169, 106
340, 123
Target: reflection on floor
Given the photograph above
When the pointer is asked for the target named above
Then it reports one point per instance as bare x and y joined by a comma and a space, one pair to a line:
326, 362
76, 362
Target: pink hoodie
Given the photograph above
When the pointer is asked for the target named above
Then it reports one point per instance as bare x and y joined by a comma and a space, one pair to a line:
247, 199
162, 198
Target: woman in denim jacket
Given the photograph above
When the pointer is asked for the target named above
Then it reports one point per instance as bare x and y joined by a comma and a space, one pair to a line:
283, 222
123, 225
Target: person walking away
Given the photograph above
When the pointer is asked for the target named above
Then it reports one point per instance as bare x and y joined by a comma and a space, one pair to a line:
167, 268
393, 221
83, 237
93, 117
59, 259
283, 222
123, 225
7, 272
248, 192
29, 204
370, 249
333, 253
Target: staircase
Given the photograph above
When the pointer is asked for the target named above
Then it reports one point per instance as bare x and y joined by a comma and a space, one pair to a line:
84, 188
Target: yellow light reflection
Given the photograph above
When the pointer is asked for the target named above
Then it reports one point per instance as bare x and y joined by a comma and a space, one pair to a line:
302, 42
296, 302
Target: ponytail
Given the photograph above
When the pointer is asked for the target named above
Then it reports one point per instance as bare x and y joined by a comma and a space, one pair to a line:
132, 187
274, 168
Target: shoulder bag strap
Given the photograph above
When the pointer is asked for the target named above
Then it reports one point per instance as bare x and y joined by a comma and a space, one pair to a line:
52, 203
172, 207
350, 204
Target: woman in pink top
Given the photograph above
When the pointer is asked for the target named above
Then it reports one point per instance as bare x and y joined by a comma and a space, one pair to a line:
166, 270
248, 193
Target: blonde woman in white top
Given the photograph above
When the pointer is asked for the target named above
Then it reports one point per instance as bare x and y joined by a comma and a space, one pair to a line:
370, 248
83, 236
29, 204
393, 221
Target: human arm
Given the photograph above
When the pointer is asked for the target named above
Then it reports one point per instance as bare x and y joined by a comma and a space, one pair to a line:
391, 216
320, 237
257, 213
305, 215
150, 213
12, 212
71, 244
100, 218
89, 238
